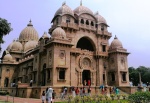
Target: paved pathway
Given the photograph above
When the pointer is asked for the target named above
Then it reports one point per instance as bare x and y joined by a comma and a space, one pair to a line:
21, 100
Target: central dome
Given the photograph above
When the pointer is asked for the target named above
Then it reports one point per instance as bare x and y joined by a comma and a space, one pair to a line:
64, 9
29, 33
82, 9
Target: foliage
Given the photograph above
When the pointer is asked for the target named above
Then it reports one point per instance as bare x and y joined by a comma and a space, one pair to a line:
4, 93
140, 97
134, 75
5, 29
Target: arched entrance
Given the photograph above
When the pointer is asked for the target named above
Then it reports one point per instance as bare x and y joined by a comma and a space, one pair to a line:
85, 43
44, 75
86, 77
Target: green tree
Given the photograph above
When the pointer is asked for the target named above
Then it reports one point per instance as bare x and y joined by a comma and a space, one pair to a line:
134, 75
5, 29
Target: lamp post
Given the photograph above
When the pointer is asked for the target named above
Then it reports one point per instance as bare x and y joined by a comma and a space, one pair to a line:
105, 75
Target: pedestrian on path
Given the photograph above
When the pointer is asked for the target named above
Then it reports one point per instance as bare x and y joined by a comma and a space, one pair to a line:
53, 95
43, 96
49, 94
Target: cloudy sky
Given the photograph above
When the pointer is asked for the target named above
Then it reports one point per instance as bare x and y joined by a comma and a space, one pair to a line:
128, 19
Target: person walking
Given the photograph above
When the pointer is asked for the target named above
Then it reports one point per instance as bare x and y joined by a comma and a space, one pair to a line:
43, 96
53, 95
89, 91
117, 91
81, 92
73, 92
49, 94
77, 91
31, 82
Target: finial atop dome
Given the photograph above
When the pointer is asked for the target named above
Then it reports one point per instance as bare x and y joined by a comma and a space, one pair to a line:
97, 13
30, 24
115, 37
64, 3
81, 3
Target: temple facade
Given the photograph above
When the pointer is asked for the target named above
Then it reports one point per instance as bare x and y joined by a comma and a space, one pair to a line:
77, 52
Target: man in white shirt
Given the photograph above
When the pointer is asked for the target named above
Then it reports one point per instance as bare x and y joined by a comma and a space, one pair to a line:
49, 94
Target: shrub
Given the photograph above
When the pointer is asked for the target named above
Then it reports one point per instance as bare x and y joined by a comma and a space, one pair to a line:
4, 93
140, 97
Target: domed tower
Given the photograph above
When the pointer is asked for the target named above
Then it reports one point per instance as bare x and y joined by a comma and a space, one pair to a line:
28, 33
63, 17
118, 65
8, 66
101, 23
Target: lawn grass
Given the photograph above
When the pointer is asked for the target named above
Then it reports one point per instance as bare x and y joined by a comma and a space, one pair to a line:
108, 101
2, 101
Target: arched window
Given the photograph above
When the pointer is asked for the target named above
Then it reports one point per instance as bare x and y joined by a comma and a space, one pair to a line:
57, 21
6, 82
102, 27
76, 21
82, 21
92, 24
124, 76
87, 22
67, 19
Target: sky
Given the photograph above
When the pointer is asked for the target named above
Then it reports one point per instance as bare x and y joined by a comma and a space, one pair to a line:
129, 20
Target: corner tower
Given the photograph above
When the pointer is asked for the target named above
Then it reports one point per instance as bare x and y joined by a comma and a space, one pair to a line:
118, 65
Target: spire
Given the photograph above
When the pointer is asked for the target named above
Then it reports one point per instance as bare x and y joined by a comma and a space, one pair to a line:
30, 23
81, 3
64, 3
115, 37
97, 13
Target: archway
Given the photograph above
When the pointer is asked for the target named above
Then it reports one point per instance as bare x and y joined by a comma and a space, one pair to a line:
86, 77
85, 43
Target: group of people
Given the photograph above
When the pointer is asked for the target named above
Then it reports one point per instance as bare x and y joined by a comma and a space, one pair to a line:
76, 91
112, 90
48, 95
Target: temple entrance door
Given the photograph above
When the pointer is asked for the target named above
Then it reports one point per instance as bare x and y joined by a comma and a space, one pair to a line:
86, 77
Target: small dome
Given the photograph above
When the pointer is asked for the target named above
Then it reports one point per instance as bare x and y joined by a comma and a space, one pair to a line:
16, 46
64, 9
116, 44
10, 45
29, 33
82, 9
30, 45
100, 19
58, 33
45, 35
8, 57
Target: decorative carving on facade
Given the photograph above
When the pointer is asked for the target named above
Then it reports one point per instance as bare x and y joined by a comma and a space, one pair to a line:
86, 62
62, 54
